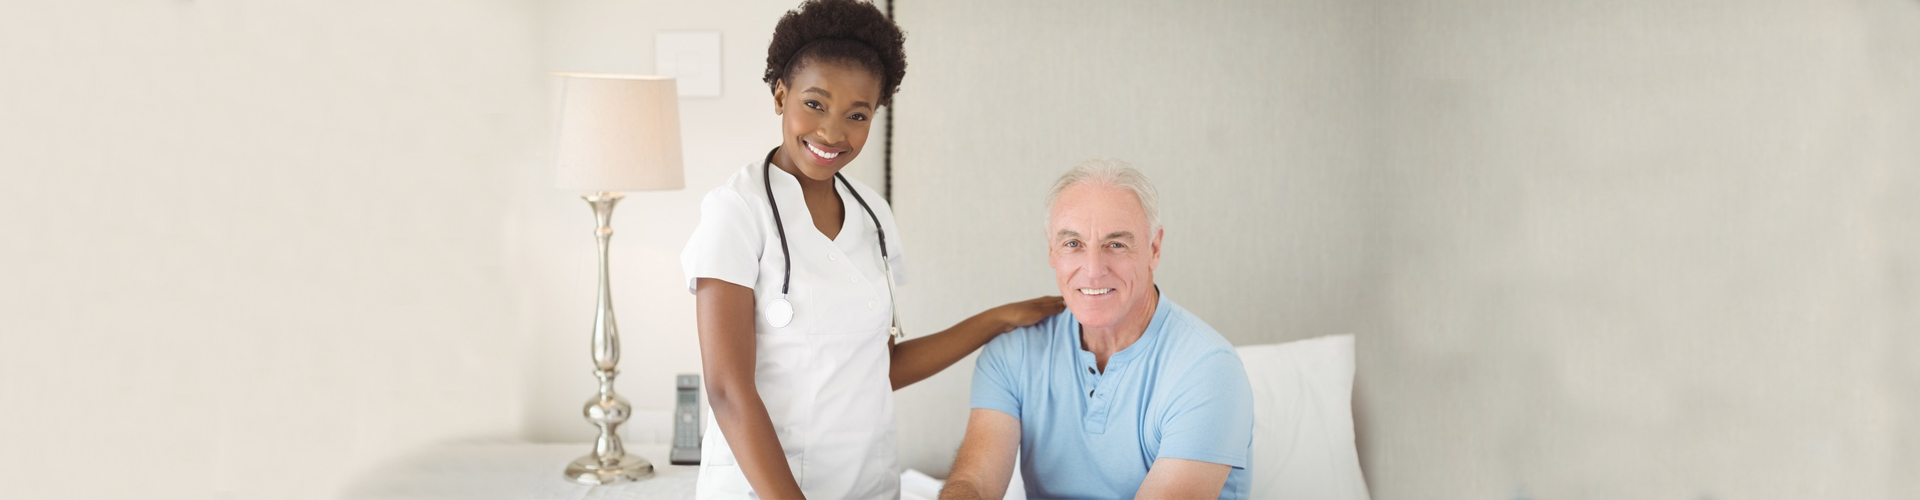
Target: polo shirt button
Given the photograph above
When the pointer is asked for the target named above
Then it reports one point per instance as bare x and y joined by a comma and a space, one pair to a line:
1089, 393
869, 304
855, 279
1090, 370
832, 257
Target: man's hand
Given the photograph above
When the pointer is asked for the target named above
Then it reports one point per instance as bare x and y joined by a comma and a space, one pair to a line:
985, 463
1177, 478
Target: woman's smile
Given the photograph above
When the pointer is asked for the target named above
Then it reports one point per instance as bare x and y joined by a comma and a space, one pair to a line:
822, 155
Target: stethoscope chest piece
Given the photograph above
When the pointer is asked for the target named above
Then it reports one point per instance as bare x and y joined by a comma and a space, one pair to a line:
779, 313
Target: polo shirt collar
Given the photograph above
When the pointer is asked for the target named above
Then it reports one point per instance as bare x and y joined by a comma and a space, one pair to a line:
1159, 321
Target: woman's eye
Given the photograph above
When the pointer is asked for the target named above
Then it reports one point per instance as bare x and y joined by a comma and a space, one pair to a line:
859, 117
813, 104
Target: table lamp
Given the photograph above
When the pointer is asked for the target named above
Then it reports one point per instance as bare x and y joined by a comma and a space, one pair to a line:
616, 133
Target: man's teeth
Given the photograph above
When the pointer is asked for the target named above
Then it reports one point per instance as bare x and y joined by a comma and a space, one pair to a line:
823, 154
1095, 291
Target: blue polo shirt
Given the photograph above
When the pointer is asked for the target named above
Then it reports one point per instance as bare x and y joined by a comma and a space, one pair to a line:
1178, 392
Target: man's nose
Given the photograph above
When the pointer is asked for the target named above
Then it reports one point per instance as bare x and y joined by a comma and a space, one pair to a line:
1096, 264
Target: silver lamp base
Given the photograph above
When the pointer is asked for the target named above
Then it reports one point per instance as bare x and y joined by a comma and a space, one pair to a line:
609, 463
589, 470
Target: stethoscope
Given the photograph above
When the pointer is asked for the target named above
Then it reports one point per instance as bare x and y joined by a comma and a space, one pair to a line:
779, 311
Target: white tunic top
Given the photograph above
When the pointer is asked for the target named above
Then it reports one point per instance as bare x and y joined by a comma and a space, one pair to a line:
823, 377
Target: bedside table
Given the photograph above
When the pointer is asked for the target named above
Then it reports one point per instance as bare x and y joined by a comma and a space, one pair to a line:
514, 471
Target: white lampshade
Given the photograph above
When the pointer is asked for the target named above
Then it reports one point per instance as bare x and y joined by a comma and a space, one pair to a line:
618, 133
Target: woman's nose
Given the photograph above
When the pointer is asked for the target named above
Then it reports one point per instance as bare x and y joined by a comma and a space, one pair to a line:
831, 133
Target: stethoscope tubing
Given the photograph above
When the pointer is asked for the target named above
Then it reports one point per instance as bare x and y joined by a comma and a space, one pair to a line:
786, 277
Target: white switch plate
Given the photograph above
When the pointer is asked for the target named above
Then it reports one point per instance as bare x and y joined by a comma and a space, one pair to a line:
692, 58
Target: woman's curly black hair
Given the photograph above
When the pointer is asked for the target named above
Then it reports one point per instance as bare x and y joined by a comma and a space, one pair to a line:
839, 31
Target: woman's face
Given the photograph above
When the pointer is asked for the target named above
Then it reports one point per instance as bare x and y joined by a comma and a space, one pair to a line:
826, 111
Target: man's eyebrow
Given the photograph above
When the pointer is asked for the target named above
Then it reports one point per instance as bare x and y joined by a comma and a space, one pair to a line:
1120, 235
1066, 233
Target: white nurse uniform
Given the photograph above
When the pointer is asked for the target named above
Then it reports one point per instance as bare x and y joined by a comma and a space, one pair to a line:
823, 376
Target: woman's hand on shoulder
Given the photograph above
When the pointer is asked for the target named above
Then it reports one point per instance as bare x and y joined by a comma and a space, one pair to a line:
1027, 312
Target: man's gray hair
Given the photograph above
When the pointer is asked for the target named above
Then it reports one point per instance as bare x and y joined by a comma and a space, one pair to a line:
1111, 173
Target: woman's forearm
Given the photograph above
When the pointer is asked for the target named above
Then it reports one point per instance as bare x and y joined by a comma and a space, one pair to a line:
728, 355
742, 417
917, 359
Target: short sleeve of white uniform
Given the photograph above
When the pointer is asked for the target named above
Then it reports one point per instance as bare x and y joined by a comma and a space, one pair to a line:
726, 245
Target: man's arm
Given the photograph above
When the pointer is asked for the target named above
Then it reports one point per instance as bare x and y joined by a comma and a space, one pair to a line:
1182, 478
1208, 431
985, 463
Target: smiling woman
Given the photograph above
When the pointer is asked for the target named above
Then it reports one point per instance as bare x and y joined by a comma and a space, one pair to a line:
796, 320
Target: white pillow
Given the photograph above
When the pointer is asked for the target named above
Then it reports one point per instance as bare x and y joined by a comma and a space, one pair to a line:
1303, 420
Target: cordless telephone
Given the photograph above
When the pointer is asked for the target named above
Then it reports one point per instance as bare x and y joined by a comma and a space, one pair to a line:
686, 421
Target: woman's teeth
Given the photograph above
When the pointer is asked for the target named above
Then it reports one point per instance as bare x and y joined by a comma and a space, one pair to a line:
823, 154
1095, 291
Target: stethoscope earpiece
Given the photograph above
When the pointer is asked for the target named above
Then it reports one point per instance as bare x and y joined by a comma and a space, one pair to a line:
779, 311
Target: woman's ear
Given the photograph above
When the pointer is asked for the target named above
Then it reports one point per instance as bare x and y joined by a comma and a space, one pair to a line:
779, 96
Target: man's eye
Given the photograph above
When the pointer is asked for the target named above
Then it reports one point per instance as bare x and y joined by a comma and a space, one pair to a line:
1116, 246
1072, 244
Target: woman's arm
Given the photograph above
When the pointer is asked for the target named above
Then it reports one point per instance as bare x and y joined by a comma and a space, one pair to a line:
917, 359
727, 354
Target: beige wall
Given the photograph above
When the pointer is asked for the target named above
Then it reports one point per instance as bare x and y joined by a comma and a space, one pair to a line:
1647, 249
251, 247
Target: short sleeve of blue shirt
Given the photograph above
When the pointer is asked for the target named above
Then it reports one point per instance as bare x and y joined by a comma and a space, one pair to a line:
1211, 418
993, 381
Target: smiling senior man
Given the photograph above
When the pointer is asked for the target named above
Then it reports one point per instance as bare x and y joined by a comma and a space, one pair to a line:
1125, 394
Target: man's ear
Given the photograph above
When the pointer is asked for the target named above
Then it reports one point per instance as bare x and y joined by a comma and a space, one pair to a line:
779, 96
1157, 236
1048, 238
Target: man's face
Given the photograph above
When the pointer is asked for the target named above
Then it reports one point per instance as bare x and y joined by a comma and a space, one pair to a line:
1101, 253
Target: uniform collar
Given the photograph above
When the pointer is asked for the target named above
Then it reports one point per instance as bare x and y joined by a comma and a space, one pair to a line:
797, 217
